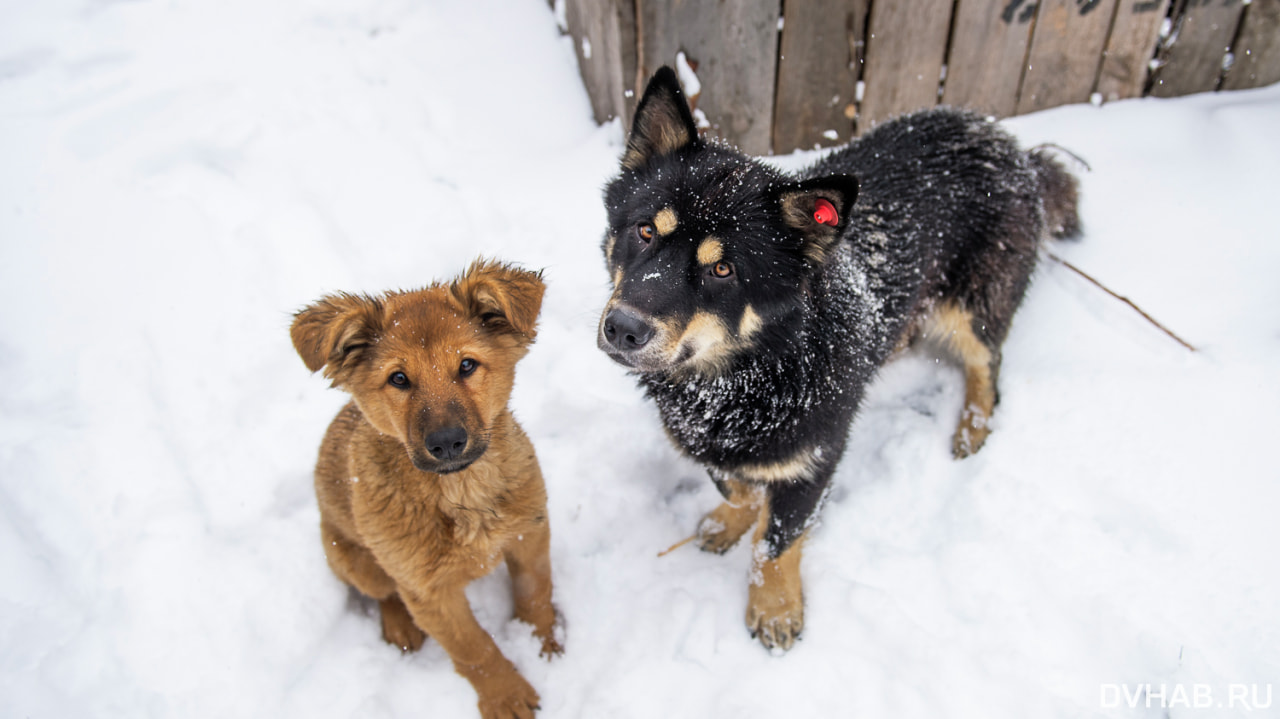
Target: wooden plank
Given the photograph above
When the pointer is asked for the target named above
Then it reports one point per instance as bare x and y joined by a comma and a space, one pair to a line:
818, 73
1257, 48
603, 34
1126, 63
1191, 60
1066, 51
988, 48
735, 46
906, 43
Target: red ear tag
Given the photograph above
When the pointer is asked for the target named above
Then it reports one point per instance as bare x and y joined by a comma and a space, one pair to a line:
824, 213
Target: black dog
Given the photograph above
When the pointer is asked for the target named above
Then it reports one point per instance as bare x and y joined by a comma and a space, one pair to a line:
756, 307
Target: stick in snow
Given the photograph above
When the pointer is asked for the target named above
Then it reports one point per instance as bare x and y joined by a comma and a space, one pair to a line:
1125, 300
677, 545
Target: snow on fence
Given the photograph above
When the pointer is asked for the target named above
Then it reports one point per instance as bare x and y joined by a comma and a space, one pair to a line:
778, 75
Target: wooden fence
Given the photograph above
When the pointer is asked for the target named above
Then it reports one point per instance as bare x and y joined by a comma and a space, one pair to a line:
777, 75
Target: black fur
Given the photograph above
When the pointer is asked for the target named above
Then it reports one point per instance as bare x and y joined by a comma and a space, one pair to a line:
945, 208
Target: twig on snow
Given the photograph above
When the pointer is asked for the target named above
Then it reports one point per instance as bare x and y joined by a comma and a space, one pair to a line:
677, 545
1125, 300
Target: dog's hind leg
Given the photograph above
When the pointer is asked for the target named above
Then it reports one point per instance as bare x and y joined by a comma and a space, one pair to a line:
398, 628
356, 566
722, 527
953, 327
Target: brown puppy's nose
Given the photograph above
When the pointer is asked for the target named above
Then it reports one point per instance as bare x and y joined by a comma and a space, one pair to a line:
447, 443
626, 331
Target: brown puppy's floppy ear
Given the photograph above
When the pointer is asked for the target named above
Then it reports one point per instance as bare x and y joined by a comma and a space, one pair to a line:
662, 123
819, 208
504, 298
335, 333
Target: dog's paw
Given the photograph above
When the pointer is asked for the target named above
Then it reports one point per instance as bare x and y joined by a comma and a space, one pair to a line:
398, 628
721, 528
971, 433
778, 627
507, 697
775, 610
551, 638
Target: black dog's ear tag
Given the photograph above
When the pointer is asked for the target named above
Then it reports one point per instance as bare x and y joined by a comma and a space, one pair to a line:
824, 213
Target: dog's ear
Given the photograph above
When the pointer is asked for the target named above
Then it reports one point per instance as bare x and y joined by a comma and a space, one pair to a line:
662, 123
819, 209
336, 332
504, 298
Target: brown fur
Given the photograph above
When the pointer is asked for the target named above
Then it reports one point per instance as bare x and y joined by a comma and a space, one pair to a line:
405, 527
665, 221
775, 600
722, 527
710, 251
951, 327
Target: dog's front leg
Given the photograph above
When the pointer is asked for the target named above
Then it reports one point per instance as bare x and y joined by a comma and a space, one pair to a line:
721, 528
446, 616
775, 599
529, 562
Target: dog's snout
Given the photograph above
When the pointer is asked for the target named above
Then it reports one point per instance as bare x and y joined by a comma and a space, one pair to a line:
448, 443
625, 331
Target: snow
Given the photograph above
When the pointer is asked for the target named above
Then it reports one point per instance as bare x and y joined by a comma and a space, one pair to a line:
180, 176
688, 78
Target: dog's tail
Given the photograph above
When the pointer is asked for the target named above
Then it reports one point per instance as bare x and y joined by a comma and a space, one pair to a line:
1060, 192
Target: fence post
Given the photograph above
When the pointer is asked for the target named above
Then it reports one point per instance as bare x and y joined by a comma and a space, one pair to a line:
1066, 51
1126, 63
734, 44
604, 40
1191, 60
906, 45
1257, 48
818, 69
988, 52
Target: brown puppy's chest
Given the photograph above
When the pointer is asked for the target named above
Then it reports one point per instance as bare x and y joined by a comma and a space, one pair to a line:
441, 528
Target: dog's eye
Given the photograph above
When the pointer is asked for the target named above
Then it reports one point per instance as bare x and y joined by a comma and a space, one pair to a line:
722, 269
467, 367
645, 232
399, 379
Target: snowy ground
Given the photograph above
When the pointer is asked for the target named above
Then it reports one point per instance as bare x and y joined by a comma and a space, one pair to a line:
178, 177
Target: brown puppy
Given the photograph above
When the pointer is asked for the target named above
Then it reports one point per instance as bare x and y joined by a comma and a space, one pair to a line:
425, 480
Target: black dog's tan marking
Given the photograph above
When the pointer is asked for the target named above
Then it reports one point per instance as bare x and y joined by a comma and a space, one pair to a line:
951, 326
710, 251
722, 527
755, 307
665, 221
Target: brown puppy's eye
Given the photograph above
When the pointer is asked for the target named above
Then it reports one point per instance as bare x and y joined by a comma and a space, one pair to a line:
645, 231
399, 379
467, 367
722, 269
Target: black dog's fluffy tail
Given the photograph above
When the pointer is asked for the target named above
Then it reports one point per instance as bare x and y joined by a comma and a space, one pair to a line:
1060, 192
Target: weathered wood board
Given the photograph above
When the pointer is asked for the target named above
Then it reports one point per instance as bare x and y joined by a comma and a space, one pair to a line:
771, 83
988, 50
1192, 59
734, 44
1066, 51
906, 44
1126, 62
818, 70
605, 43
1257, 48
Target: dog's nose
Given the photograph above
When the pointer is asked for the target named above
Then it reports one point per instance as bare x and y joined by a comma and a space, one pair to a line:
626, 331
447, 443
